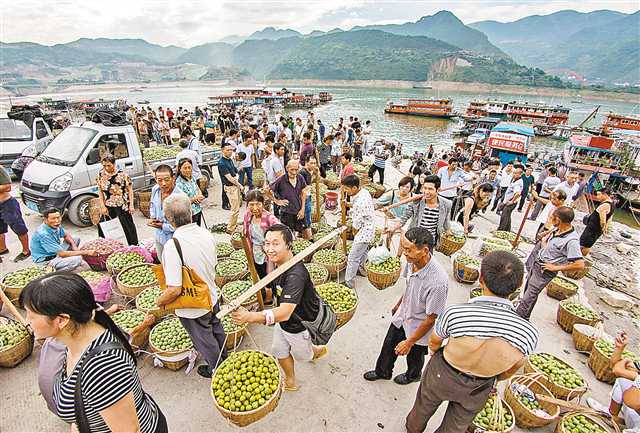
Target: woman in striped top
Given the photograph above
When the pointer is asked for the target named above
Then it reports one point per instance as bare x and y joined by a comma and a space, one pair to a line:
61, 305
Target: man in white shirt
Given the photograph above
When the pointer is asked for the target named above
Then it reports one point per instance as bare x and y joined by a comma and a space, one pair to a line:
267, 162
570, 187
548, 185
277, 160
505, 180
298, 129
451, 177
511, 198
245, 167
194, 250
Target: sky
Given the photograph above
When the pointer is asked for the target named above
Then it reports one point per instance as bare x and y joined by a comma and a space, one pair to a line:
187, 23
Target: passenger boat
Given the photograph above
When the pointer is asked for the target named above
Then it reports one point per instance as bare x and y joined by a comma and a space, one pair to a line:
488, 108
621, 124
261, 96
596, 153
442, 108
538, 113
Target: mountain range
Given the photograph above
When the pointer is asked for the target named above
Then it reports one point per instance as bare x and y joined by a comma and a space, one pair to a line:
601, 45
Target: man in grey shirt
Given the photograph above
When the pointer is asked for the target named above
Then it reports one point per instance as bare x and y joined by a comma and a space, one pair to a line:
559, 250
414, 314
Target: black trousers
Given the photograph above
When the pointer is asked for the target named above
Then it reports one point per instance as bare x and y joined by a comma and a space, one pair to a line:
380, 170
523, 198
387, 358
208, 336
499, 196
505, 217
126, 220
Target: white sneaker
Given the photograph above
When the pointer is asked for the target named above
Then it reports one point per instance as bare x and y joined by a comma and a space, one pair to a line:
596, 405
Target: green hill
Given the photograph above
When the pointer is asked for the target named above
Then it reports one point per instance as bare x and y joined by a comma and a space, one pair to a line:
213, 54
129, 47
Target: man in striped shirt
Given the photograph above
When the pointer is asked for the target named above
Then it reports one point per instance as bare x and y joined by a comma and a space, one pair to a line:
415, 312
486, 328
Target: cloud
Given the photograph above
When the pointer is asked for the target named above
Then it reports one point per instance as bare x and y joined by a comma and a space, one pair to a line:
192, 22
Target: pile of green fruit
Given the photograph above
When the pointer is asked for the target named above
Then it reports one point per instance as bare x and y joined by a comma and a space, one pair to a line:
487, 420
317, 272
492, 244
500, 234
122, 260
11, 333
581, 424
329, 257
229, 326
236, 236
563, 282
148, 297
468, 261
299, 245
240, 256
138, 276
581, 311
340, 297
229, 268
557, 371
22, 277
128, 319
321, 229
224, 249
455, 238
218, 228
159, 152
232, 290
376, 238
245, 381
607, 347
170, 336
92, 276
532, 405
389, 266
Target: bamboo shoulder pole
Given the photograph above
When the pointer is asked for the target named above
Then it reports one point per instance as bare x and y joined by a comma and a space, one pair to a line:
524, 220
343, 219
226, 309
252, 268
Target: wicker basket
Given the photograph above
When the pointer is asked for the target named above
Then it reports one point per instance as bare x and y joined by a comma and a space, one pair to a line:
258, 177
13, 293
141, 339
381, 280
237, 243
234, 339
243, 419
448, 246
142, 201
464, 273
333, 270
328, 244
583, 337
158, 312
333, 183
566, 319
94, 211
133, 291
344, 317
606, 424
222, 280
325, 274
558, 391
525, 418
559, 292
14, 355
475, 428
576, 275
248, 304
172, 364
600, 364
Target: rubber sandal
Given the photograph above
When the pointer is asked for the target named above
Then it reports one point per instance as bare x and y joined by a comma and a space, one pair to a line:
291, 388
20, 257
322, 353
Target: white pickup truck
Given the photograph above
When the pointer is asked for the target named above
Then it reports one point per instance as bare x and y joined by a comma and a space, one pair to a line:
64, 174
16, 136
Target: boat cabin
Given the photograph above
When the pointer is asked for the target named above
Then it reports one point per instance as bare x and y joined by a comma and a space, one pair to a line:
509, 141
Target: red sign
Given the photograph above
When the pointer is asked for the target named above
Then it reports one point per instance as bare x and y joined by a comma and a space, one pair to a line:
506, 141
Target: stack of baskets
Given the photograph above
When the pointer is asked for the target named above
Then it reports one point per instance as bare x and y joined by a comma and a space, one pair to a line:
133, 291
13, 355
525, 417
142, 200
561, 288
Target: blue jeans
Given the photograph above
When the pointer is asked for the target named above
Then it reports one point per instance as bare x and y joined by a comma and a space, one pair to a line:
249, 174
307, 211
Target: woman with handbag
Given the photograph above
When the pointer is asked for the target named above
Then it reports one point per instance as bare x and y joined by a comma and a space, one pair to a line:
116, 198
98, 388
187, 184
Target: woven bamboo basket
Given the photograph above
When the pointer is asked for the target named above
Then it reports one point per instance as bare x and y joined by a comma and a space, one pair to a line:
343, 318
14, 355
141, 339
251, 302
243, 419
583, 337
576, 275
158, 312
258, 177
235, 338
558, 391
133, 291
94, 211
381, 280
333, 270
328, 244
475, 428
560, 292
448, 246
13, 293
222, 280
142, 200
325, 274
599, 363
333, 183
173, 365
526, 418
606, 424
465, 273
566, 319
236, 243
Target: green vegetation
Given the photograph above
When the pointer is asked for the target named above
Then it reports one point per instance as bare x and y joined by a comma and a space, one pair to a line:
503, 71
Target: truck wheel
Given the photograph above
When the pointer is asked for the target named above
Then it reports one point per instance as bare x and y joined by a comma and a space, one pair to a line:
79, 211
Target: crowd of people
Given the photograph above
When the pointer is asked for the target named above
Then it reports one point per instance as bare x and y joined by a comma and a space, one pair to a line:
294, 153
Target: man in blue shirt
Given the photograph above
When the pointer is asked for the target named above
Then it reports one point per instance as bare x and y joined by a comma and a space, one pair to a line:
165, 183
50, 243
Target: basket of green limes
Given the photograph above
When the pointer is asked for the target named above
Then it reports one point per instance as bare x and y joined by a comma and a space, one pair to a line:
385, 274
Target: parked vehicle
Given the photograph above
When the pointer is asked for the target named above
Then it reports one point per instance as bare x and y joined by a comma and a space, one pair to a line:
18, 134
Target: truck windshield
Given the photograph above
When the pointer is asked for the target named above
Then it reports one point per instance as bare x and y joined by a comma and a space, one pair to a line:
14, 130
67, 147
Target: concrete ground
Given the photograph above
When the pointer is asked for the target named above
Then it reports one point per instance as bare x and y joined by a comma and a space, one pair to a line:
333, 396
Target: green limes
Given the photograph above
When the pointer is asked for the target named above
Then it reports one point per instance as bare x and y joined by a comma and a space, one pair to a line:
240, 256
493, 244
563, 282
500, 234
468, 261
454, 238
581, 311
224, 249
557, 371
532, 405
299, 245
229, 268
236, 236
148, 297
155, 153
128, 319
169, 335
245, 381
607, 347
329, 257
138, 276
230, 327
340, 297
11, 333
389, 266
318, 273
581, 424
489, 420
233, 289
91, 276
121, 260
22, 277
